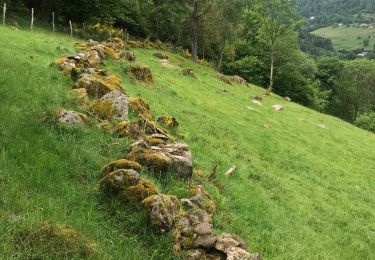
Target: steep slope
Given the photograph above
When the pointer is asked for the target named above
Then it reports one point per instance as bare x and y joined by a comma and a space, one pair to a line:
303, 189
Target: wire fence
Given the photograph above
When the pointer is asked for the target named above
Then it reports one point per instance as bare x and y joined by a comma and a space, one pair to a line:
25, 19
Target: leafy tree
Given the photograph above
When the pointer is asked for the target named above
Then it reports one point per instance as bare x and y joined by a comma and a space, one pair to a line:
277, 19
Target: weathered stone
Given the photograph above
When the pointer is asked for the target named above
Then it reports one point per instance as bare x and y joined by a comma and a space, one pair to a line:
120, 164
79, 96
201, 199
175, 158
140, 107
72, 118
161, 56
236, 253
162, 211
139, 192
168, 121
98, 85
224, 79
194, 230
201, 254
239, 80
114, 105
278, 108
188, 73
227, 241
127, 129
119, 180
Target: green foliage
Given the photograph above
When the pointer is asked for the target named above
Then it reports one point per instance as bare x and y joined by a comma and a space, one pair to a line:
366, 121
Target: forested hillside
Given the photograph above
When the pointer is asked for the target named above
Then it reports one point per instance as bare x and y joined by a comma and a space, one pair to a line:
328, 12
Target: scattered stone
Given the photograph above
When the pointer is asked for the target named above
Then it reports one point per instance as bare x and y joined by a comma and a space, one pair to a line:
166, 63
161, 56
188, 73
162, 211
114, 105
72, 118
239, 80
224, 79
256, 102
257, 98
231, 170
288, 99
267, 126
278, 108
129, 56
140, 107
119, 180
168, 121
120, 164
142, 73
322, 126
139, 192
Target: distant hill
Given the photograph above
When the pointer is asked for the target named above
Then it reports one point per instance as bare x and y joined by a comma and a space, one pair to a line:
323, 13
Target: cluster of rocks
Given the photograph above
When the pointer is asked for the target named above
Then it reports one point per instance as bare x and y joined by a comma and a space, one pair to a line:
234, 79
152, 147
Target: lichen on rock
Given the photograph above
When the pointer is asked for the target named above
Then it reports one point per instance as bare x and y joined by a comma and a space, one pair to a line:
120, 164
140, 107
71, 118
168, 121
139, 192
162, 211
119, 180
114, 105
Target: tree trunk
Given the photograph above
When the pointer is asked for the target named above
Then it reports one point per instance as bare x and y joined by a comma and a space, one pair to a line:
270, 87
194, 32
220, 63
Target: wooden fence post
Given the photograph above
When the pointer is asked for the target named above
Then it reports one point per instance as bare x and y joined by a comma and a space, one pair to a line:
4, 13
71, 28
32, 18
53, 21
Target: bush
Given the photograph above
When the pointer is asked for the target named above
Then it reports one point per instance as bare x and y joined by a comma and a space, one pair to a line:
366, 121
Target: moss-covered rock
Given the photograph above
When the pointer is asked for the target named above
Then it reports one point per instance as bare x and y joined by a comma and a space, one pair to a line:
120, 164
106, 126
194, 230
103, 109
129, 130
162, 211
161, 56
71, 118
168, 121
239, 80
114, 105
140, 107
119, 180
201, 199
79, 96
199, 254
54, 241
98, 85
139, 192
142, 73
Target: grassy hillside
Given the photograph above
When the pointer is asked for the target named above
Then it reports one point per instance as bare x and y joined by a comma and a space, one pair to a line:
348, 38
301, 191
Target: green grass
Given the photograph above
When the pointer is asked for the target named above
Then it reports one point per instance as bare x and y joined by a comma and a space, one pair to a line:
301, 192
348, 38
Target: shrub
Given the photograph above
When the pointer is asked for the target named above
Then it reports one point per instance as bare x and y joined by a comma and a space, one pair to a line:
366, 121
